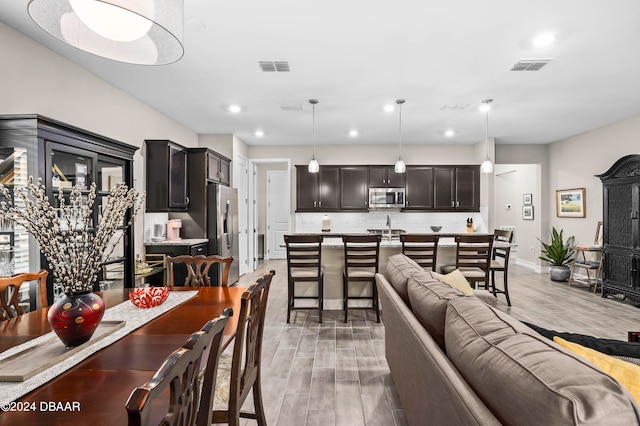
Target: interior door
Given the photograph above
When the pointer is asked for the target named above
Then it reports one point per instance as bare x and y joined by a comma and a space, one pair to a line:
277, 213
241, 182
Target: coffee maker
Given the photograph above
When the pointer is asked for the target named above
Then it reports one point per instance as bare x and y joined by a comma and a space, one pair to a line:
173, 229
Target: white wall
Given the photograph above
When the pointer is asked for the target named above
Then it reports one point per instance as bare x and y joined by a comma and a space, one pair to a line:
37, 80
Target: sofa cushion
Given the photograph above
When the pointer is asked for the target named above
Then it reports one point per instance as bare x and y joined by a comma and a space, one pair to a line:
626, 373
526, 379
399, 269
454, 279
429, 298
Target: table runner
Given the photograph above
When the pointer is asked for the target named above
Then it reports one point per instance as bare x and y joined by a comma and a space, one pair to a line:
135, 317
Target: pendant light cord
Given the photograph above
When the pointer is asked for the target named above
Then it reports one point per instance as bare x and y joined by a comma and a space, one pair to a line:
313, 103
400, 102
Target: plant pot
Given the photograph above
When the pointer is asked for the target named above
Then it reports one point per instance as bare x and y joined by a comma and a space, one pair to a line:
559, 273
75, 317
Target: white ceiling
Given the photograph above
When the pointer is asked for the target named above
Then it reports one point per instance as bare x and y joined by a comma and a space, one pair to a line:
355, 56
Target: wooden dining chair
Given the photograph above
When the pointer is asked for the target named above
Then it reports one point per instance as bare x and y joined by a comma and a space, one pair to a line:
500, 261
473, 258
246, 359
183, 373
304, 265
361, 259
198, 269
10, 289
422, 248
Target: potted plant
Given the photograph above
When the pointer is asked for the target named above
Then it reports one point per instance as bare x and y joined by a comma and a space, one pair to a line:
558, 254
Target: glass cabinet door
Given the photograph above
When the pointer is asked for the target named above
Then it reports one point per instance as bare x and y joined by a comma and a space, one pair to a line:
111, 173
69, 167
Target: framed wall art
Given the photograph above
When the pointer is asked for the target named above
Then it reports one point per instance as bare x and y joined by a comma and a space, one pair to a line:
527, 199
527, 212
570, 202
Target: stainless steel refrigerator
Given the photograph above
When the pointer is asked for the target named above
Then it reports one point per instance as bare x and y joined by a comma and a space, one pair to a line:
222, 227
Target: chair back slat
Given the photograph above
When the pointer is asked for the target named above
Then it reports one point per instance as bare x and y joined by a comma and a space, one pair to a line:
198, 269
421, 248
502, 243
361, 251
304, 251
10, 290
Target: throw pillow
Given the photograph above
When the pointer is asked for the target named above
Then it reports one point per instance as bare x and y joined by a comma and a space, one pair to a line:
626, 373
455, 279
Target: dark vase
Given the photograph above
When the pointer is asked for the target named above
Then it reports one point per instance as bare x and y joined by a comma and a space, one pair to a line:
75, 317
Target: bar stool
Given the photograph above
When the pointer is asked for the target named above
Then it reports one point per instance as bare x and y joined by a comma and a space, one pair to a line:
304, 264
501, 250
361, 256
422, 248
473, 257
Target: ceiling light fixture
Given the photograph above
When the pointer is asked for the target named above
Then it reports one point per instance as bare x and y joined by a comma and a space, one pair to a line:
143, 32
314, 167
235, 108
389, 108
543, 40
487, 165
353, 133
259, 133
400, 167
449, 133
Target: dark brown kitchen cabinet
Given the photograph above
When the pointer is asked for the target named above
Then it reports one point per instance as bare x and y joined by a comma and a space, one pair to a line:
218, 168
317, 191
419, 188
621, 229
385, 177
354, 188
166, 176
457, 188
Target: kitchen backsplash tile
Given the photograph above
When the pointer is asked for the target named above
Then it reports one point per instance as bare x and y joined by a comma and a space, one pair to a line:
342, 222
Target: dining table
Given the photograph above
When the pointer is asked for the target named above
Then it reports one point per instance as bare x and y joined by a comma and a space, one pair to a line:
95, 391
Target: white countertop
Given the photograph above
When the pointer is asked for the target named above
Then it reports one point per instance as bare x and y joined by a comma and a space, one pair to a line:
185, 242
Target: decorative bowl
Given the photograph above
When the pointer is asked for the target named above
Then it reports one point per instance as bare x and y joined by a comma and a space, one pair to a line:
148, 297
436, 228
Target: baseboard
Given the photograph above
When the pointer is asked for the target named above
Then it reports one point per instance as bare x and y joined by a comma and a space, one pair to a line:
529, 265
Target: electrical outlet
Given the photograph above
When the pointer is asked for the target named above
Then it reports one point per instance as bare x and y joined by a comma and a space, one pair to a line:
531, 249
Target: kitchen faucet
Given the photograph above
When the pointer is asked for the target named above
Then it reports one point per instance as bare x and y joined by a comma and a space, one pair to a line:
389, 224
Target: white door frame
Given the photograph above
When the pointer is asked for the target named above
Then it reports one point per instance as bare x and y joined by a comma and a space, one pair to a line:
253, 197
241, 181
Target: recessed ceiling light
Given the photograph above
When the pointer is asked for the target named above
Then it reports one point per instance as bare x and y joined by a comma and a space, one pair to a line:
235, 108
389, 108
449, 133
543, 40
485, 106
259, 133
353, 133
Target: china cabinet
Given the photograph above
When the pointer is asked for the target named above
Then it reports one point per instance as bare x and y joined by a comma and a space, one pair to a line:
621, 229
62, 156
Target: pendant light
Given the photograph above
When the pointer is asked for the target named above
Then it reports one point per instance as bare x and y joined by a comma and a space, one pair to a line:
141, 32
400, 167
314, 167
487, 165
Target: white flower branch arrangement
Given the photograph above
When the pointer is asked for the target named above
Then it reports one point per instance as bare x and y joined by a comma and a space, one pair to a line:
74, 252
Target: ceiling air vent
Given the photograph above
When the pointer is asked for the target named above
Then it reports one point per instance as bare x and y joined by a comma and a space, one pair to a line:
274, 66
290, 107
529, 64
454, 107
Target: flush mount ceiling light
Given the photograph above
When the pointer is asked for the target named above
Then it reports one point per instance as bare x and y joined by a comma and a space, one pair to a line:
543, 40
259, 133
449, 133
487, 165
353, 133
314, 167
142, 32
388, 108
400, 167
234, 109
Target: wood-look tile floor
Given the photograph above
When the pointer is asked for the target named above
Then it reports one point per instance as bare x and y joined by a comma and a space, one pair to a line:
336, 374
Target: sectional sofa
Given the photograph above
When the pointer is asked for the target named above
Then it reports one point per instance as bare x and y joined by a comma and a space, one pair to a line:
455, 360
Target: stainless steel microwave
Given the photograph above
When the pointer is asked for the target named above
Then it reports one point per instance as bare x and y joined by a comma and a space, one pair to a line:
386, 198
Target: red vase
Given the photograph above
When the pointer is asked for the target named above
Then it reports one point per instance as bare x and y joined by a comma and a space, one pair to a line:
75, 317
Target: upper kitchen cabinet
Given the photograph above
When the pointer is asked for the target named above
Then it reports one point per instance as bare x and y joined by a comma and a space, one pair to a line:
419, 188
457, 188
218, 168
385, 177
354, 188
317, 191
166, 176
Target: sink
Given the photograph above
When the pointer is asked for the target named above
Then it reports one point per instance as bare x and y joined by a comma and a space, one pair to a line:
395, 233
